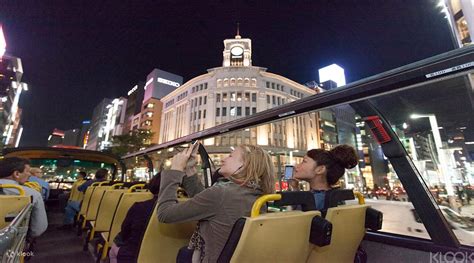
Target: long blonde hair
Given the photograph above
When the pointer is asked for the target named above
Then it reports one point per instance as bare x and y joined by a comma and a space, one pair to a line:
257, 169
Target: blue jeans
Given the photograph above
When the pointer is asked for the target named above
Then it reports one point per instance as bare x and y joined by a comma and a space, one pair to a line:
70, 211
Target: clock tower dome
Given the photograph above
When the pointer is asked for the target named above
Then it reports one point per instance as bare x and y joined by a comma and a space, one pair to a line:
237, 52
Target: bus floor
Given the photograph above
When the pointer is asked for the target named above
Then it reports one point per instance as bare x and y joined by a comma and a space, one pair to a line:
59, 245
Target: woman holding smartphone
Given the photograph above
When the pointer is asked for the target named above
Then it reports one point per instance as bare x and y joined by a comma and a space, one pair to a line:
249, 171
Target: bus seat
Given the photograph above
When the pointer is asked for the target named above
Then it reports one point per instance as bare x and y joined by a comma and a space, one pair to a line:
348, 223
85, 205
127, 200
75, 194
12, 204
94, 203
258, 238
161, 242
106, 211
262, 238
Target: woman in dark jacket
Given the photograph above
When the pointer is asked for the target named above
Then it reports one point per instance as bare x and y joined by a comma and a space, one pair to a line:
127, 243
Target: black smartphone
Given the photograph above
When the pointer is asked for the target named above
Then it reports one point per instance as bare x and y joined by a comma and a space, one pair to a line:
289, 171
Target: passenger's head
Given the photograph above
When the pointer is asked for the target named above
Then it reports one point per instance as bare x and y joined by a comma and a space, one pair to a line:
15, 168
101, 174
327, 165
154, 184
250, 165
35, 171
81, 175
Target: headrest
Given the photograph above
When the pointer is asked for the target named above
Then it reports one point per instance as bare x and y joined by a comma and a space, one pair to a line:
303, 198
336, 196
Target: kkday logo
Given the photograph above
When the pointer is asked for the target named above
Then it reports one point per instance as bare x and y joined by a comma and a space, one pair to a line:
451, 257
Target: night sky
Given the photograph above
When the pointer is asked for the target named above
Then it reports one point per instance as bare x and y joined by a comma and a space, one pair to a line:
75, 54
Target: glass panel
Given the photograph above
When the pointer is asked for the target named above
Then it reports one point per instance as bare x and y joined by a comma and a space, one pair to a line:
435, 123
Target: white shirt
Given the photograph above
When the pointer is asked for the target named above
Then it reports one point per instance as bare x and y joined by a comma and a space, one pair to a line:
38, 219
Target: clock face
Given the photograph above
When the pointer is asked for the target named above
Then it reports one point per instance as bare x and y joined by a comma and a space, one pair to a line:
237, 51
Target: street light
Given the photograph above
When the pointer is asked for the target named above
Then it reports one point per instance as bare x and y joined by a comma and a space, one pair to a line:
438, 144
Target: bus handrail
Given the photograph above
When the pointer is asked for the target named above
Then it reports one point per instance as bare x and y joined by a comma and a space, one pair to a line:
13, 236
20, 189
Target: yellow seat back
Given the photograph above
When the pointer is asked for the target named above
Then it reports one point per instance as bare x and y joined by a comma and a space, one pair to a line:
95, 201
107, 209
348, 230
127, 200
33, 185
263, 238
11, 205
86, 199
76, 195
161, 242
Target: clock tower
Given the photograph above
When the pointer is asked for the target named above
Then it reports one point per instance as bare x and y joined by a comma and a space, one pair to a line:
237, 52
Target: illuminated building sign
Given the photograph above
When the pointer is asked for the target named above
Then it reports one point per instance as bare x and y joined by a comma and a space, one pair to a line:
168, 82
148, 83
3, 43
332, 72
133, 89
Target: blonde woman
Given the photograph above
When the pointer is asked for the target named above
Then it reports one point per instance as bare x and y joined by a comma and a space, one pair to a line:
249, 173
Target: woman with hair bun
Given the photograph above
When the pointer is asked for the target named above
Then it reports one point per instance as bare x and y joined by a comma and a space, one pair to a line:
322, 169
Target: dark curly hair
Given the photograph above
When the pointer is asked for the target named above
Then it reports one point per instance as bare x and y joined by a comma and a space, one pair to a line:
336, 160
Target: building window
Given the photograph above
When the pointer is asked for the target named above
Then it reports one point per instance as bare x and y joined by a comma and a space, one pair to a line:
273, 100
247, 82
204, 114
201, 87
239, 96
268, 99
232, 111
205, 85
247, 111
149, 114
240, 82
247, 96
218, 97
267, 84
279, 101
193, 89
150, 105
205, 100
232, 82
226, 82
224, 96
273, 85
148, 123
195, 113
239, 111
200, 101
282, 88
224, 111
219, 83
218, 112
254, 83
254, 110
232, 96
199, 115
254, 97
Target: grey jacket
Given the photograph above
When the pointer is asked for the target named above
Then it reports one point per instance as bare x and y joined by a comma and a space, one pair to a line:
216, 208
38, 219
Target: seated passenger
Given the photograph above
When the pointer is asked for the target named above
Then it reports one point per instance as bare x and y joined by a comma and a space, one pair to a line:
36, 174
127, 243
250, 172
73, 207
16, 171
64, 197
322, 169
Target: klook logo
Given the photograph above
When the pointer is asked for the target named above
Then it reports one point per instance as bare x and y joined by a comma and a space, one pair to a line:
451, 257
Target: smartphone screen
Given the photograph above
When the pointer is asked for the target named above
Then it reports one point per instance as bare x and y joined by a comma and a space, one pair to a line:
289, 171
